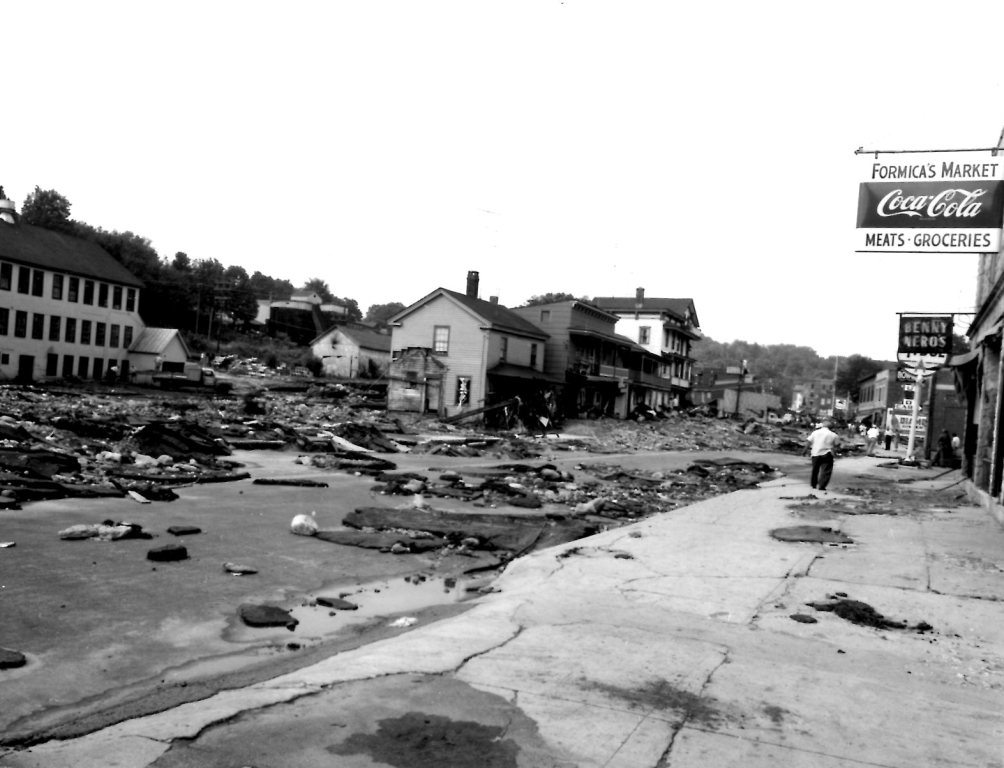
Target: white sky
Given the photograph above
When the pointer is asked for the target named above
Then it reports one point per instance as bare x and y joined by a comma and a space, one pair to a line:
701, 150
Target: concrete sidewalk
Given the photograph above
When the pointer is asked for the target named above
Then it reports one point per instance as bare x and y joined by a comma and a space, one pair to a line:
669, 642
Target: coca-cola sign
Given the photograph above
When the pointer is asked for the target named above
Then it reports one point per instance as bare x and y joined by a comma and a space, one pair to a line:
932, 202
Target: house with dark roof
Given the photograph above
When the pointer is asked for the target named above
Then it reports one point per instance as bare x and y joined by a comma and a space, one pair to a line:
483, 354
353, 350
67, 307
601, 369
666, 328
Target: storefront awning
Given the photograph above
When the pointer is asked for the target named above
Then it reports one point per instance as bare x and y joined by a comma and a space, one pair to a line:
958, 361
510, 371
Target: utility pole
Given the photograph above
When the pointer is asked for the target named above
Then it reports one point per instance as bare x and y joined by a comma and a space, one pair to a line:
739, 387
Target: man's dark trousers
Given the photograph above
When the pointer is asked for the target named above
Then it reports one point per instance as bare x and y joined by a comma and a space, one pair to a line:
822, 468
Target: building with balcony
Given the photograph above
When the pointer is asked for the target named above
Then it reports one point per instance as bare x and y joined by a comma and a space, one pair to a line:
604, 374
300, 318
666, 328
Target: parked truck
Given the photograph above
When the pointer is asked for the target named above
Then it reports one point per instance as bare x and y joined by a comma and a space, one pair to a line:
190, 375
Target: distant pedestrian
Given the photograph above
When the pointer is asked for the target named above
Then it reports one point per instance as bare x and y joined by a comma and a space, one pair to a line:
892, 432
822, 445
944, 457
871, 440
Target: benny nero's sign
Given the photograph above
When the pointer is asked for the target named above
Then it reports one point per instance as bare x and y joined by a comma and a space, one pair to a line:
930, 202
925, 341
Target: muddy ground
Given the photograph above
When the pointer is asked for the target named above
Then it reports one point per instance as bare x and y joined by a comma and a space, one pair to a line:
412, 518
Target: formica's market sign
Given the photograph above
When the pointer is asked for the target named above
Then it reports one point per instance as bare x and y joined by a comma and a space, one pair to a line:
932, 202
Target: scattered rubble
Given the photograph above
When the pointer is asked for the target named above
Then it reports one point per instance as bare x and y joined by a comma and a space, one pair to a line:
105, 531
143, 446
869, 498
64, 443
863, 614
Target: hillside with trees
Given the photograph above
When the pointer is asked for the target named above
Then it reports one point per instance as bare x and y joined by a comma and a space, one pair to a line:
779, 366
185, 293
193, 294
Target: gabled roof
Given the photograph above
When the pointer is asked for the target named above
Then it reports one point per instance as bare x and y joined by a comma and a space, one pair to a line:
364, 337
58, 252
494, 315
676, 307
577, 305
367, 338
153, 341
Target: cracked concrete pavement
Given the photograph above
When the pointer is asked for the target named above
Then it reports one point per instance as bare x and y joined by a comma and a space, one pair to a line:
668, 642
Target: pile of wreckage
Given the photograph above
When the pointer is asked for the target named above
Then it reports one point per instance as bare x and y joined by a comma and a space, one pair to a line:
86, 444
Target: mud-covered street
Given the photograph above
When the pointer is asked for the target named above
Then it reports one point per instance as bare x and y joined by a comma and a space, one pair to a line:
128, 585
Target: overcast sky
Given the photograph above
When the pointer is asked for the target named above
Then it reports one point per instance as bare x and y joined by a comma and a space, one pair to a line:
701, 150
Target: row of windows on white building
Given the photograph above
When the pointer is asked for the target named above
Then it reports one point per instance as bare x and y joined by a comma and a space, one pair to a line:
104, 334
31, 282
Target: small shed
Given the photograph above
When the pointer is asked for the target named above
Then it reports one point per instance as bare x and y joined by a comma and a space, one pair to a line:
350, 351
152, 348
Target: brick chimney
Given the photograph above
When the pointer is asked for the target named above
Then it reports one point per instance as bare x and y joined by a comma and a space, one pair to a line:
639, 298
472, 284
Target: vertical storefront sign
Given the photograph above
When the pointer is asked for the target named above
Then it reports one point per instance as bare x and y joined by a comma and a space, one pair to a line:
930, 202
463, 390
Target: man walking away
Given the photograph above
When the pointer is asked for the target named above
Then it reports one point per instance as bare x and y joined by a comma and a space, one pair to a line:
822, 444
871, 440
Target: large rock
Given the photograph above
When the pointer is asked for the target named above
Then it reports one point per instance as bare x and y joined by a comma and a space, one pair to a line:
266, 616
168, 553
11, 659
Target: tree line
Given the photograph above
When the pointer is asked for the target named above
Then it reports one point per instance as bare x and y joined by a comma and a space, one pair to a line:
189, 294
181, 292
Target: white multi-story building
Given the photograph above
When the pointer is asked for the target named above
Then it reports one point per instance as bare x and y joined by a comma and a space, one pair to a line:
666, 328
67, 307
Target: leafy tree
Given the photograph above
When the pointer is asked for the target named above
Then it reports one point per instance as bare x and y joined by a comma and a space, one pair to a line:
47, 208
318, 286
134, 252
181, 263
242, 304
265, 287
381, 313
777, 367
354, 313
548, 298
960, 344
238, 298
852, 370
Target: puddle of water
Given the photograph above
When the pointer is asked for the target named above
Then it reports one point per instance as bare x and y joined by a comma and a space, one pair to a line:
390, 598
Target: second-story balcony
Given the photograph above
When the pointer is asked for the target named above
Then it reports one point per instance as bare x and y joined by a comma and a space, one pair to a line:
612, 371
